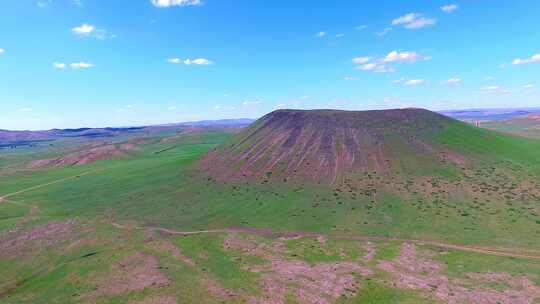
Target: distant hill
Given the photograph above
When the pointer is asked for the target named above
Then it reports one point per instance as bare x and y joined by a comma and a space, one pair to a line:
220, 122
489, 114
29, 138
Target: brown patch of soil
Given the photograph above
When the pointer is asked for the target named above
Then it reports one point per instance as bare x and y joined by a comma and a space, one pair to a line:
218, 291
415, 272
89, 154
135, 272
317, 284
14, 242
168, 247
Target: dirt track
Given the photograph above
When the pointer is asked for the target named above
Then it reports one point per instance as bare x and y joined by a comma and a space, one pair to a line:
5, 196
504, 252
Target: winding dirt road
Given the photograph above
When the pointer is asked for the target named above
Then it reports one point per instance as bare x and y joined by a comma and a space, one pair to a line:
503, 252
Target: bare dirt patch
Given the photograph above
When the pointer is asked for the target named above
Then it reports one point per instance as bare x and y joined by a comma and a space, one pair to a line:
311, 284
14, 242
88, 155
168, 247
218, 291
135, 272
413, 271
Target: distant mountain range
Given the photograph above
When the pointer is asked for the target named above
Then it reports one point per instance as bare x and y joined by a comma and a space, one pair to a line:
489, 114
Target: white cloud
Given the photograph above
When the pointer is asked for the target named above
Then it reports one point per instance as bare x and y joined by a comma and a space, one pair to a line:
420, 23
216, 107
396, 56
376, 67
495, 89
410, 17
59, 65
453, 81
350, 78
340, 35
198, 61
361, 27
361, 60
399, 81
449, 8
321, 34
81, 65
78, 3
414, 82
88, 30
380, 65
83, 30
413, 21
43, 3
26, 109
171, 108
251, 102
168, 3
533, 59
528, 86
280, 106
174, 60
384, 32
2, 51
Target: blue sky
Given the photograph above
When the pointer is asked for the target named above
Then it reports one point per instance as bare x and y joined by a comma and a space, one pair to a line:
68, 63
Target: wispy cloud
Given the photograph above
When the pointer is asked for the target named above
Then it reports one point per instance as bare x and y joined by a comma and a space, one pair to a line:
350, 78
449, 8
409, 82
414, 82
174, 60
59, 65
452, 81
81, 65
361, 60
321, 34
2, 51
527, 86
75, 65
88, 30
381, 64
198, 61
495, 89
251, 102
396, 56
25, 109
384, 32
361, 27
532, 59
169, 3
413, 21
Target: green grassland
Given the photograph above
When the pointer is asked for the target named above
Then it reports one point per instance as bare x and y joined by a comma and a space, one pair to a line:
159, 185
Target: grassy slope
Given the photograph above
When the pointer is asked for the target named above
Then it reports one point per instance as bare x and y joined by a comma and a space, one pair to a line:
162, 189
